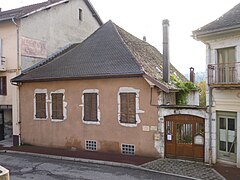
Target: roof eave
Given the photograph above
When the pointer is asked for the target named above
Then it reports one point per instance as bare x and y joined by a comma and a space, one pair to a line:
17, 80
157, 83
205, 34
94, 12
43, 8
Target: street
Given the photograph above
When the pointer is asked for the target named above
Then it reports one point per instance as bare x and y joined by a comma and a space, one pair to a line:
32, 167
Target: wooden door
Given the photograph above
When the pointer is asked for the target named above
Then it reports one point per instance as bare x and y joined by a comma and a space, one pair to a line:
184, 137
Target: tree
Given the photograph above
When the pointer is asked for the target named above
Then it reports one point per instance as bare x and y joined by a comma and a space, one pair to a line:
202, 98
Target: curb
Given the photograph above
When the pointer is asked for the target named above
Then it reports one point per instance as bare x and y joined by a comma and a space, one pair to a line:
101, 162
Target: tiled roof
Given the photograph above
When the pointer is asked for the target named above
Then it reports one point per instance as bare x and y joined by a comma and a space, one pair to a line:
230, 20
23, 11
108, 52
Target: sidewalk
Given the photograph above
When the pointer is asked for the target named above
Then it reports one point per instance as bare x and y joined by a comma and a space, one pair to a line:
172, 166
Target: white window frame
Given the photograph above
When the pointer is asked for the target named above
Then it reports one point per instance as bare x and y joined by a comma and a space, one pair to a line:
138, 111
98, 109
37, 91
60, 91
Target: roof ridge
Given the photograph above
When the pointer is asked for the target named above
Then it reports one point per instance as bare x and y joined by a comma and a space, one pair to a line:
127, 48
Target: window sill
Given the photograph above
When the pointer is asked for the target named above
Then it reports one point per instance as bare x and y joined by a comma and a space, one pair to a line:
91, 122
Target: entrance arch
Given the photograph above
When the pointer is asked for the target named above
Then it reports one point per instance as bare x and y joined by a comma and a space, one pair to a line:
184, 136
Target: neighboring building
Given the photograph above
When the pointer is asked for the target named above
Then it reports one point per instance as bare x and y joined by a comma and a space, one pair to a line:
30, 34
108, 94
222, 38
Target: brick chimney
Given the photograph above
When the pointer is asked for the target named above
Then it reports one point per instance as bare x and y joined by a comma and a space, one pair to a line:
166, 62
192, 75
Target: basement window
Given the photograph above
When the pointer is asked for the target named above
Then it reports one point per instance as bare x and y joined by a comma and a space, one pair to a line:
80, 17
91, 145
128, 149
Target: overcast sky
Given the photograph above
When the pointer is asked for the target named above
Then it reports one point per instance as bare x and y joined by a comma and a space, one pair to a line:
144, 18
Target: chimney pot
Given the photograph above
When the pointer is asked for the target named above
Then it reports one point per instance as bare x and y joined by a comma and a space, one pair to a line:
166, 62
144, 38
192, 75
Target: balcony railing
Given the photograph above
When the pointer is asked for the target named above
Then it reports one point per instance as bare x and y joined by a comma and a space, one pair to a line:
224, 74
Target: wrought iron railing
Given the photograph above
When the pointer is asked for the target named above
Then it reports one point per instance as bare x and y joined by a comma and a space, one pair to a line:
224, 74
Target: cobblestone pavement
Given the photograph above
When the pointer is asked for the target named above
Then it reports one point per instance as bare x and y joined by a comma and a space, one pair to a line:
185, 168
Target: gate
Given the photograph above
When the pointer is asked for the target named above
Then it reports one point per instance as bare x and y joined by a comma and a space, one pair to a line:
184, 137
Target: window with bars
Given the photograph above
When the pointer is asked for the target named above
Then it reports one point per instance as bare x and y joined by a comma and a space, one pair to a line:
91, 145
128, 108
57, 106
90, 107
40, 105
128, 149
3, 85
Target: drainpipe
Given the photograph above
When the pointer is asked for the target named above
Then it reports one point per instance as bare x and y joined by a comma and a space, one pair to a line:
210, 109
17, 138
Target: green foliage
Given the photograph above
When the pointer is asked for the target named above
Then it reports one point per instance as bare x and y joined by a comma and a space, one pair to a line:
202, 97
184, 89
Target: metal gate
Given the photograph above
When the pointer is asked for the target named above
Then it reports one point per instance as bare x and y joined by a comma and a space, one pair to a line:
184, 137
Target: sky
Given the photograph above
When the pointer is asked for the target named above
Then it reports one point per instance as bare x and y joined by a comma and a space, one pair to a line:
144, 18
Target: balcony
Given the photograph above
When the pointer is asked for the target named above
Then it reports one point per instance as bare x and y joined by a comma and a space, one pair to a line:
224, 75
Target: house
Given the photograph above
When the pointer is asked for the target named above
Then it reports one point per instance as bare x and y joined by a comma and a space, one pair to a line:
110, 93
30, 34
222, 39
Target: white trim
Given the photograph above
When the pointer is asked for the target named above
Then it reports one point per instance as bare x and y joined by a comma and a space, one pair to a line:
43, 8
34, 101
138, 111
98, 109
62, 91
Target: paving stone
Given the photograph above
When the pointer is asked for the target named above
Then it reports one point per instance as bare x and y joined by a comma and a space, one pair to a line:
185, 168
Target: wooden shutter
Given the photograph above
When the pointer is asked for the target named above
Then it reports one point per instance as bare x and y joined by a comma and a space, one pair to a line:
90, 107
40, 99
128, 107
3, 85
57, 106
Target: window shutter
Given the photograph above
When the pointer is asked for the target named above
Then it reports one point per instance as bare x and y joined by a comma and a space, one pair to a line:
132, 108
90, 107
4, 79
128, 107
40, 105
57, 106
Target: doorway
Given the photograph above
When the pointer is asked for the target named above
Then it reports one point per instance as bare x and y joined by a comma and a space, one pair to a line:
184, 137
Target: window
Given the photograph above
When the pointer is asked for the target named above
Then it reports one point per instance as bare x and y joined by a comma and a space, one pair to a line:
128, 108
57, 106
40, 105
90, 107
128, 149
80, 14
226, 64
91, 145
3, 85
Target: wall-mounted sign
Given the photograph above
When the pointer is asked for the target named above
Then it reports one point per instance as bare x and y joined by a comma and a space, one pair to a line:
33, 48
199, 140
169, 137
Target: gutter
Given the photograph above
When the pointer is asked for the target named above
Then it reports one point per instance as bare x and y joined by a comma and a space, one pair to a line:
210, 110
